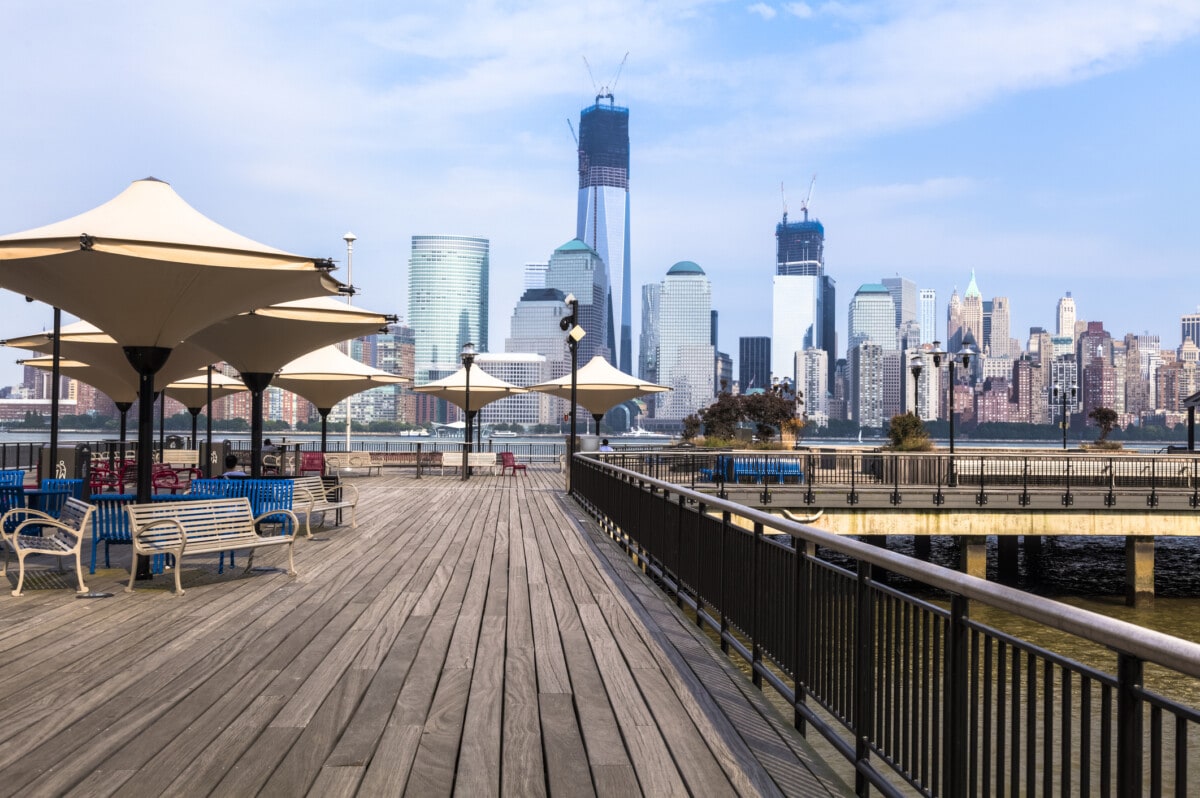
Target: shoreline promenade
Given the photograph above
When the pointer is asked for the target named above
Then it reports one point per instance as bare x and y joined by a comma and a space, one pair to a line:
475, 638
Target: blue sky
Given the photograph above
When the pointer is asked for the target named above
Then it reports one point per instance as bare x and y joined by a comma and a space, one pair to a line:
1047, 144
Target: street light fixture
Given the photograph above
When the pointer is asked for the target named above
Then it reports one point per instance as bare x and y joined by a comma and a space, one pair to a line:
963, 356
916, 364
570, 325
1060, 394
468, 358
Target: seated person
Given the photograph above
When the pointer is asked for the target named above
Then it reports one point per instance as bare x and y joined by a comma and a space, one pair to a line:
604, 447
231, 467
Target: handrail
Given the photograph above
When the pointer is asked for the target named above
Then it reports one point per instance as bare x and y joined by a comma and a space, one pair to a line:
1147, 644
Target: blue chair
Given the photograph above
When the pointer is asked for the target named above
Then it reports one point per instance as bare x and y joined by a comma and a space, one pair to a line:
12, 476
52, 504
12, 497
110, 524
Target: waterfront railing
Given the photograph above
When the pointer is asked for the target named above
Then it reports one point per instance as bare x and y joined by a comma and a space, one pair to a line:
910, 688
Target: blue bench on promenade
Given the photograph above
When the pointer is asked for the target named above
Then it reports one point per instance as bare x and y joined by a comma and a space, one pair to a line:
755, 470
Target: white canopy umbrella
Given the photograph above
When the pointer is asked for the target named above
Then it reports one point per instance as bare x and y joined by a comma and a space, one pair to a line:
484, 389
599, 386
84, 342
327, 376
260, 342
121, 388
198, 392
150, 270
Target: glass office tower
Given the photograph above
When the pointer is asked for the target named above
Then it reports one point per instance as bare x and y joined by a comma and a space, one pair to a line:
603, 213
447, 300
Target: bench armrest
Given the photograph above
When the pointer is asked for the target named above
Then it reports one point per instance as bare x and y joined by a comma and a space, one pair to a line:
345, 486
48, 521
282, 511
27, 515
138, 532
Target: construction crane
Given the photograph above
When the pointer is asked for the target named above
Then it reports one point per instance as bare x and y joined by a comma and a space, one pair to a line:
783, 194
807, 199
572, 131
605, 92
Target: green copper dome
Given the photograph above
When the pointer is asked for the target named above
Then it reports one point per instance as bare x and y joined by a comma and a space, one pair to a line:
685, 267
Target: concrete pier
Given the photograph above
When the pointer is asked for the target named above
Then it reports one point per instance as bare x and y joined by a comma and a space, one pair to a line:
972, 555
1139, 571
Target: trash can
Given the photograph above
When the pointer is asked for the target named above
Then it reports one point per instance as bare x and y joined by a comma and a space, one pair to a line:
73, 461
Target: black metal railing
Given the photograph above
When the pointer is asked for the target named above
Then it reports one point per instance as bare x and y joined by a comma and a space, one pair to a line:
1120, 482
908, 688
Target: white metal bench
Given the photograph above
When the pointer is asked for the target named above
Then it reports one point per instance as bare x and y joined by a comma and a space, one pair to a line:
178, 458
311, 496
201, 527
481, 460
342, 461
61, 537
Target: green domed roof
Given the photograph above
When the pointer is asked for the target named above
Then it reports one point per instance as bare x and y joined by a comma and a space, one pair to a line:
574, 245
685, 267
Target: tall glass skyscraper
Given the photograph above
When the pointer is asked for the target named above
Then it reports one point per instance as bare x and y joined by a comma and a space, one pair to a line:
803, 296
928, 316
575, 268
603, 215
754, 363
685, 358
872, 317
447, 299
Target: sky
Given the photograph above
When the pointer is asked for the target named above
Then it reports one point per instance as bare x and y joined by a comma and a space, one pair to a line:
1048, 145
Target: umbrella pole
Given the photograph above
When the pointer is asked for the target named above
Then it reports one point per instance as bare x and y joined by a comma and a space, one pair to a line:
55, 379
597, 416
208, 455
146, 360
257, 382
162, 421
324, 411
195, 411
124, 408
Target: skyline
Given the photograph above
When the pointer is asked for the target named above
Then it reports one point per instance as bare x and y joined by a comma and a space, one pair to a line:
945, 138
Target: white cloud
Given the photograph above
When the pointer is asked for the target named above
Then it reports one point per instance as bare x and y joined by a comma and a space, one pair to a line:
801, 10
763, 10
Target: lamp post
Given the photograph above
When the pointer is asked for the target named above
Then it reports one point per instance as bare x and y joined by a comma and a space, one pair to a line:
1060, 394
349, 238
916, 365
570, 325
468, 357
963, 355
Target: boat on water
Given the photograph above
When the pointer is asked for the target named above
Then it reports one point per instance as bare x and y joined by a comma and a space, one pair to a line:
504, 433
639, 432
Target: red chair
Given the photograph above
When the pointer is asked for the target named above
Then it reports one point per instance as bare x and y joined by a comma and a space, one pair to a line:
509, 460
312, 463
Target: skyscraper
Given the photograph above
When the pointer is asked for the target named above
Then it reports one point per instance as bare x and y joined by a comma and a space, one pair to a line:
928, 315
1189, 327
603, 212
575, 268
872, 317
972, 314
447, 299
803, 296
685, 358
648, 342
904, 297
754, 363
1066, 316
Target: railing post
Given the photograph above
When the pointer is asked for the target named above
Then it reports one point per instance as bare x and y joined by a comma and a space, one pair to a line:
864, 636
756, 591
957, 736
800, 631
701, 511
721, 581
679, 551
1129, 725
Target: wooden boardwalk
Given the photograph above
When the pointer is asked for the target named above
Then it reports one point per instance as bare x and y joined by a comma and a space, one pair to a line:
470, 638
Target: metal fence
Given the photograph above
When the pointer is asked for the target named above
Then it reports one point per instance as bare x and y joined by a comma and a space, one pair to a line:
1118, 480
909, 689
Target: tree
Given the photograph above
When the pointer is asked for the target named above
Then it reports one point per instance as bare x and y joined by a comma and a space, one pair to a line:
691, 426
1106, 419
908, 434
721, 418
768, 411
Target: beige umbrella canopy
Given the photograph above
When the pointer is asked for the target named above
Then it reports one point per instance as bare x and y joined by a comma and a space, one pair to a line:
485, 389
260, 342
599, 387
121, 388
150, 270
193, 391
86, 343
327, 376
